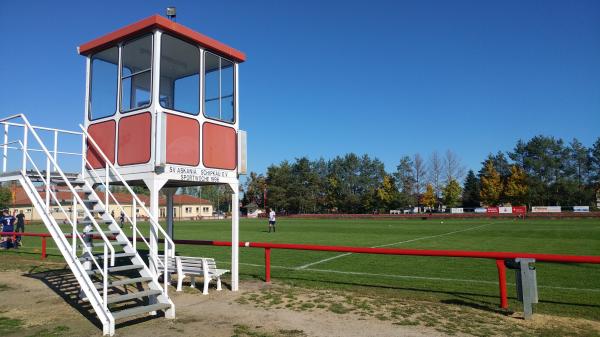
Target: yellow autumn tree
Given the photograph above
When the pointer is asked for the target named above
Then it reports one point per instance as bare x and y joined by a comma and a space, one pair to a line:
451, 193
516, 186
491, 185
428, 198
385, 192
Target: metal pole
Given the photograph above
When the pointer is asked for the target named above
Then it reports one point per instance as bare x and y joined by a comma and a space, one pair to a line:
43, 247
268, 265
502, 283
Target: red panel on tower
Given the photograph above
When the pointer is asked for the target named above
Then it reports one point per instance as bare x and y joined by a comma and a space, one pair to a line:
134, 139
219, 146
104, 135
183, 140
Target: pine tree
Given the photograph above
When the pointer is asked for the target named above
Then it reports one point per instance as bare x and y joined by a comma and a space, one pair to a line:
491, 185
451, 193
516, 186
470, 196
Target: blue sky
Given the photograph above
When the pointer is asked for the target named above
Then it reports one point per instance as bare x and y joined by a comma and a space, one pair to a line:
324, 78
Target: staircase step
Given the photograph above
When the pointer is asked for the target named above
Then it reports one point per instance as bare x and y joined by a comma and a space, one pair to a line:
123, 282
101, 244
61, 182
101, 256
89, 221
140, 310
105, 232
117, 268
130, 296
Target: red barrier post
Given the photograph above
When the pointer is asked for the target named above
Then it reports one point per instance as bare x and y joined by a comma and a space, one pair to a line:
502, 283
43, 247
268, 265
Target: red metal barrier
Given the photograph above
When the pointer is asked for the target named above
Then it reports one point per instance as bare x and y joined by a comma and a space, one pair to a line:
502, 284
43, 247
267, 264
500, 257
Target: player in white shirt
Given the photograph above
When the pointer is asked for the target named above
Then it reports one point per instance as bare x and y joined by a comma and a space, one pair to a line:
272, 220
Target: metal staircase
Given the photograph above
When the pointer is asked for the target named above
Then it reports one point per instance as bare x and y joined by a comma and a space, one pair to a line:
114, 278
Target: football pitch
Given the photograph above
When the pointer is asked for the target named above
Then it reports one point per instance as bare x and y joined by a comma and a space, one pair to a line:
564, 289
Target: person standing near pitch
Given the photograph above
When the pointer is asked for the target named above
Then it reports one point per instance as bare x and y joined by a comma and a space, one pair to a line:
20, 227
272, 220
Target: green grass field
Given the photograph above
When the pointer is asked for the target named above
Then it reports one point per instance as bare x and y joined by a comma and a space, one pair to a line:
564, 289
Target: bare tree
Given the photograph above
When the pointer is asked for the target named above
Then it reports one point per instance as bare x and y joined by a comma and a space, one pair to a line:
454, 170
436, 168
419, 173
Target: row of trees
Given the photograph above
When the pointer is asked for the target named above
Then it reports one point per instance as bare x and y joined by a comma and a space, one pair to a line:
541, 171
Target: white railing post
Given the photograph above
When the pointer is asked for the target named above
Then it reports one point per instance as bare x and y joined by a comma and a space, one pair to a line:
48, 184
106, 186
24, 166
83, 155
134, 223
105, 278
74, 221
5, 149
55, 149
166, 267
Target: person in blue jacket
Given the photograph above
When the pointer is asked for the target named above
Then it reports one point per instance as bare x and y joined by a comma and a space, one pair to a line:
8, 225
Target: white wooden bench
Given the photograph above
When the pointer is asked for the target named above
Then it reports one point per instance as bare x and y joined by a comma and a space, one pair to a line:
195, 266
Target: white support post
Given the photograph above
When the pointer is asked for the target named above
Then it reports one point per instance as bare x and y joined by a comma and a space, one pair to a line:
235, 236
154, 185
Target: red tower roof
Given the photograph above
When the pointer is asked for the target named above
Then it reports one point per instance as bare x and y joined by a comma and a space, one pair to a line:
157, 21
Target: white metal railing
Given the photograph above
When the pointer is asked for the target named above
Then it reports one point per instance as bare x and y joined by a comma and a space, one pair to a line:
110, 170
45, 179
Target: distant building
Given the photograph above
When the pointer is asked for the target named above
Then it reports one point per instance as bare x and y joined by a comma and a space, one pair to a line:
185, 207
253, 211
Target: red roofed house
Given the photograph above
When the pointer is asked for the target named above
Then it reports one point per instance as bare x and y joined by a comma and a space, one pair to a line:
185, 207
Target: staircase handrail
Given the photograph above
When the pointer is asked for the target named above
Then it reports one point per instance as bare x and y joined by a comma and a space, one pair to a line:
136, 230
168, 242
29, 128
130, 190
74, 254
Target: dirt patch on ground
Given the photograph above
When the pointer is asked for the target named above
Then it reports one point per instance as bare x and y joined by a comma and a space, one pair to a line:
32, 308
32, 304
448, 319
